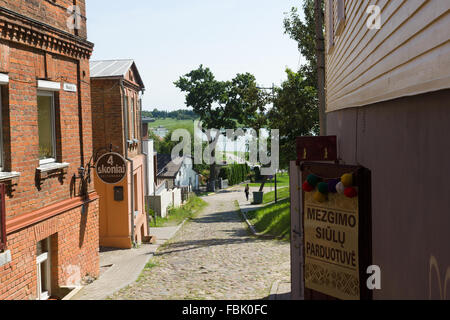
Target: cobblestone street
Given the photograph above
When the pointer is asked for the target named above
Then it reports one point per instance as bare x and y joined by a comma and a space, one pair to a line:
213, 257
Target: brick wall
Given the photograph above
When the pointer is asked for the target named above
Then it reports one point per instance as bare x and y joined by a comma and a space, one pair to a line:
74, 253
107, 114
21, 128
28, 52
51, 12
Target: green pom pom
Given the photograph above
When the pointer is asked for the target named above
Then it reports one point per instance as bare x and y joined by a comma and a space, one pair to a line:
313, 180
323, 188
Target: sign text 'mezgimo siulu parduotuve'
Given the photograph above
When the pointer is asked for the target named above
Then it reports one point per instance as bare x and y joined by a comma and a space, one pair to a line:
331, 246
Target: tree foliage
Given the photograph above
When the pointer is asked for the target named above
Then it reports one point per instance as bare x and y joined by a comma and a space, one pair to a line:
181, 114
223, 104
303, 32
295, 109
294, 113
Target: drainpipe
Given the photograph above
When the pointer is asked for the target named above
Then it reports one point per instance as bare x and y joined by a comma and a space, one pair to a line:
146, 154
125, 117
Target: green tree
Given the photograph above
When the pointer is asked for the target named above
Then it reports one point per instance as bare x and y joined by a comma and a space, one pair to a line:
304, 33
309, 35
219, 104
294, 113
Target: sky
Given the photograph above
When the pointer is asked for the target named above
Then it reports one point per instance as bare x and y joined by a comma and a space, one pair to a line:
169, 38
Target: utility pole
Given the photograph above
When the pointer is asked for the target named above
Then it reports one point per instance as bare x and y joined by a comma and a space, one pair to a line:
320, 54
273, 100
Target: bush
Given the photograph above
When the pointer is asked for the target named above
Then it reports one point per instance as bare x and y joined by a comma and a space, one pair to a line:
234, 173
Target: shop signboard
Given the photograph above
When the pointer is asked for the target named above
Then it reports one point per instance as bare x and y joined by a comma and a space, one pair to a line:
336, 228
111, 168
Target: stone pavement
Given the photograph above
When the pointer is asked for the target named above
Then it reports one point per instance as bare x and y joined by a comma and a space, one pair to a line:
119, 267
214, 257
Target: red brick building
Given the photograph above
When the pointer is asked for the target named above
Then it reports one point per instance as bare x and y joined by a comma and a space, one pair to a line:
116, 90
46, 140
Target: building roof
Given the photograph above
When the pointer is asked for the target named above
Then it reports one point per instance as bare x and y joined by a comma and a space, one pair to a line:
114, 69
166, 167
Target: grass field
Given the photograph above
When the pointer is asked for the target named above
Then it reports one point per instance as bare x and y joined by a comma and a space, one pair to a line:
282, 181
282, 193
171, 124
188, 211
273, 220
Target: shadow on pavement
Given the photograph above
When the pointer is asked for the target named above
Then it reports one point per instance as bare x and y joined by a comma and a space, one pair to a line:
238, 235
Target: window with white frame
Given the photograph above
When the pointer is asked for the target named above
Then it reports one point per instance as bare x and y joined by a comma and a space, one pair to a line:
46, 127
43, 266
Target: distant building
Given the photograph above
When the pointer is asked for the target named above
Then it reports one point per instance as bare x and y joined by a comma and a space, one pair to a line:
178, 173
116, 89
160, 131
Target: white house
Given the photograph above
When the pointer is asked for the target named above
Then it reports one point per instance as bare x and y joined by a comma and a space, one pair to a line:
178, 173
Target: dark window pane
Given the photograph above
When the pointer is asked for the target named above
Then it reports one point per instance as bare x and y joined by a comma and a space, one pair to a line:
45, 124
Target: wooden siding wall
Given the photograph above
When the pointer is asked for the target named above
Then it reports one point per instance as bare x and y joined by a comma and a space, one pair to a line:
409, 55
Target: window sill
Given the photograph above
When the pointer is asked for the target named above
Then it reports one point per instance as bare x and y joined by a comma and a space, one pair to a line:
54, 166
5, 176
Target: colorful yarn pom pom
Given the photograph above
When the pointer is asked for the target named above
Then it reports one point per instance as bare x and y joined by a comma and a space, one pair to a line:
323, 188
350, 192
347, 180
307, 187
320, 197
340, 188
313, 180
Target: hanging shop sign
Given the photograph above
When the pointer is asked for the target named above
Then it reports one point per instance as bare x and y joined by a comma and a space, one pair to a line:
111, 168
336, 225
317, 148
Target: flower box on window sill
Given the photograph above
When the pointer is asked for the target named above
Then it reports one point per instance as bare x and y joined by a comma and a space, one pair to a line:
133, 143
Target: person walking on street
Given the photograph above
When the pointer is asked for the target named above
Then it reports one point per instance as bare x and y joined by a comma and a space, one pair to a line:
247, 191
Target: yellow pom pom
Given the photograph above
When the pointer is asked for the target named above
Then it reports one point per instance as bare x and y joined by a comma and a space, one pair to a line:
320, 197
347, 180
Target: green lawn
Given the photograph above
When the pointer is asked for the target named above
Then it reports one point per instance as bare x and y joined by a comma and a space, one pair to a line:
282, 193
273, 220
170, 124
188, 211
282, 181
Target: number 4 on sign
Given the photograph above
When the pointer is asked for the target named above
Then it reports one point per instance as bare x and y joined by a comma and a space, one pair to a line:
111, 160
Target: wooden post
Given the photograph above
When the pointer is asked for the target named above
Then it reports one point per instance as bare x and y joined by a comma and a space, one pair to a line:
297, 286
320, 54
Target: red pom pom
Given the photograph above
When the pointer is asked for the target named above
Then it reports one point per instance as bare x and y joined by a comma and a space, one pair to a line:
307, 187
350, 192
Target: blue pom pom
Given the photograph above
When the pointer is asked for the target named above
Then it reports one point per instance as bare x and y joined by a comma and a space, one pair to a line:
332, 185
